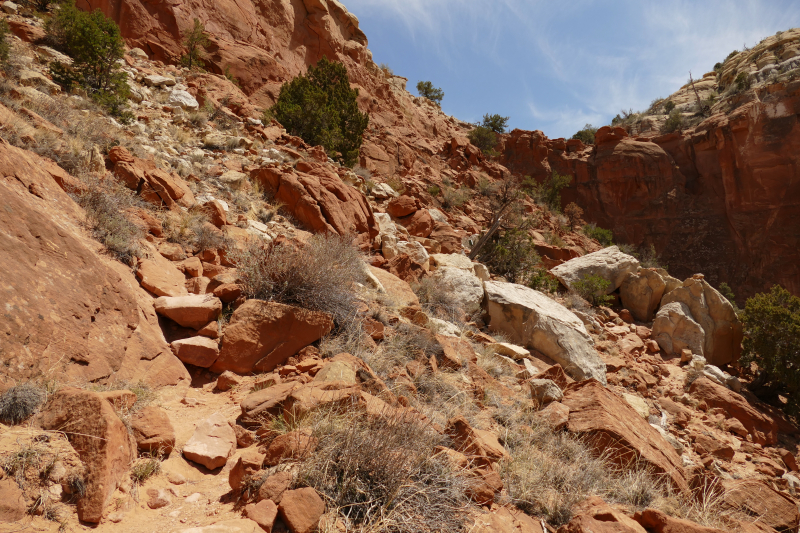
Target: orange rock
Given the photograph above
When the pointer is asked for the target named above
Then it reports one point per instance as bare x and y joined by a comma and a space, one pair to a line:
274, 486
619, 432
294, 446
98, 435
657, 522
158, 275
301, 509
262, 335
212, 442
153, 430
402, 206
248, 464
263, 513
593, 515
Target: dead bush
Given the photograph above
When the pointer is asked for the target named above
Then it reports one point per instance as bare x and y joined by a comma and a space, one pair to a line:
320, 274
381, 474
438, 300
105, 206
20, 402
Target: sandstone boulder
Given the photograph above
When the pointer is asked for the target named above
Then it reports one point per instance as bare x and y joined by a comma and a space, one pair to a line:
463, 285
212, 442
193, 311
198, 351
292, 446
274, 486
593, 515
153, 430
641, 293
609, 263
402, 206
614, 428
723, 330
262, 335
675, 330
263, 513
759, 500
160, 276
544, 391
248, 464
762, 427
301, 509
98, 435
533, 320
320, 200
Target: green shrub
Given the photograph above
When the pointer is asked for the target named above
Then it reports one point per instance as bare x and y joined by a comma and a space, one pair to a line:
318, 275
321, 109
95, 44
771, 323
511, 255
586, 135
549, 191
541, 280
427, 90
20, 402
592, 288
483, 138
674, 121
669, 106
195, 40
452, 197
5, 46
727, 292
742, 81
104, 205
496, 123
434, 190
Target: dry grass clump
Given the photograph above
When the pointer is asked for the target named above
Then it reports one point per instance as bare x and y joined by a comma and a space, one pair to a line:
320, 274
145, 467
380, 474
105, 204
439, 301
20, 402
551, 471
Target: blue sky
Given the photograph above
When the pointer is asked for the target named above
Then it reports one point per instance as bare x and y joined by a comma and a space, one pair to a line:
555, 66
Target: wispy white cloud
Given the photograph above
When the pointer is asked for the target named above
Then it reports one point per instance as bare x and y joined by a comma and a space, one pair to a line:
579, 62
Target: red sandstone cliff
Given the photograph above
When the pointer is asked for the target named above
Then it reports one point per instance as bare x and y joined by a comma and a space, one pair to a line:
721, 198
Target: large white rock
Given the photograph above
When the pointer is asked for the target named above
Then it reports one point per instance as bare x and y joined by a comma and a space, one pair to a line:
381, 191
452, 260
674, 329
531, 319
463, 285
641, 293
609, 263
182, 99
722, 343
156, 80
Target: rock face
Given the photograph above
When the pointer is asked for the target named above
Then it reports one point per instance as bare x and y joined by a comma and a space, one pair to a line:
609, 263
641, 293
99, 437
533, 320
261, 335
615, 428
86, 315
723, 330
706, 197
212, 443
674, 329
320, 200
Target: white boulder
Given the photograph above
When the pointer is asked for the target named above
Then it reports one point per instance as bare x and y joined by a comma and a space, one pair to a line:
674, 329
182, 99
609, 263
531, 319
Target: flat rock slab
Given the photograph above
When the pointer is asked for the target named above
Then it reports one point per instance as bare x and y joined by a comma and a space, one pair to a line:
615, 428
212, 443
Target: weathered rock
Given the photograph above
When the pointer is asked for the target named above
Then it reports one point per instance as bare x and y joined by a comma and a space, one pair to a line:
12, 502
757, 499
658, 522
675, 330
402, 206
248, 464
293, 446
227, 380
762, 427
262, 335
397, 289
723, 330
555, 415
153, 430
609, 263
316, 395
618, 431
419, 224
473, 442
182, 99
509, 350
505, 520
641, 293
158, 498
545, 391
98, 435
198, 351
593, 515
267, 401
158, 275
301, 509
263, 513
533, 320
462, 285
320, 200
274, 486
212, 442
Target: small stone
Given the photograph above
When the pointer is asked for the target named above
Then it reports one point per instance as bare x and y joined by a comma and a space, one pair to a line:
116, 517
176, 479
193, 498
227, 380
158, 498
